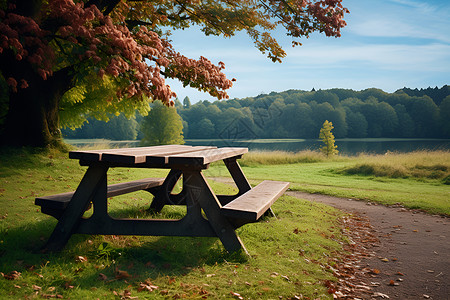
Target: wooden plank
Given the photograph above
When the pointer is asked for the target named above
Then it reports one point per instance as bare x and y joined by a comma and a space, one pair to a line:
163, 158
253, 204
97, 155
60, 201
206, 156
139, 155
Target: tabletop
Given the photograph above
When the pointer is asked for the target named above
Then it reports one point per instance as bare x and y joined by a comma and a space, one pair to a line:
166, 155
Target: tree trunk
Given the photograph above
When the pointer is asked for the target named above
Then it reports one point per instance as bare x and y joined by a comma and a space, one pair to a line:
33, 118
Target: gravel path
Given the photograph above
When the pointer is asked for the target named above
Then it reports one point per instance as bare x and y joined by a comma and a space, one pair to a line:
413, 257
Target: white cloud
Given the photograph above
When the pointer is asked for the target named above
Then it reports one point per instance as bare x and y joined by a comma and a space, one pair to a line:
401, 18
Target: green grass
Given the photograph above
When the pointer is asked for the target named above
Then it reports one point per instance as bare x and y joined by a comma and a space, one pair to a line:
417, 180
289, 254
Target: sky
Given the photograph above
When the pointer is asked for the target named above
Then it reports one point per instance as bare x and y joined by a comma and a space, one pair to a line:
387, 44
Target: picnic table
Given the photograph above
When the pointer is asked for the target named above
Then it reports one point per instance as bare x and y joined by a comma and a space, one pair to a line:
223, 214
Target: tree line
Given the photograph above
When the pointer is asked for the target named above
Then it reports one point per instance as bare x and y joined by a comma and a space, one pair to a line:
370, 113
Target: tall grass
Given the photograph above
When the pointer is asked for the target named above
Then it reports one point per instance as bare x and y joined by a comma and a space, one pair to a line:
419, 164
282, 157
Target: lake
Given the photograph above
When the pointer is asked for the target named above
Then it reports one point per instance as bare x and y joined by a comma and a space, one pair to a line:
345, 146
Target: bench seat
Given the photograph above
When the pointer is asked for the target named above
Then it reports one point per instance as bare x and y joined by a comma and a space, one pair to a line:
54, 205
251, 205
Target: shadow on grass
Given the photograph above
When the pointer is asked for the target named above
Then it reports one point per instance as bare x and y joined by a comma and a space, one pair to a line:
140, 257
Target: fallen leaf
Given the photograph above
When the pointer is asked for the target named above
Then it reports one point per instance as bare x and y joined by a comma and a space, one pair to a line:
171, 280
13, 275
68, 286
237, 295
36, 287
285, 277
102, 276
122, 274
380, 295
400, 273
376, 271
147, 286
393, 283
81, 259
51, 289
385, 259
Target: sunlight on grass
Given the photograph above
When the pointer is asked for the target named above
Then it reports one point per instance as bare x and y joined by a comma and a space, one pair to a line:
289, 254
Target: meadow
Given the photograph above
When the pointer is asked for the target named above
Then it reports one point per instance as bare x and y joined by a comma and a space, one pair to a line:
291, 256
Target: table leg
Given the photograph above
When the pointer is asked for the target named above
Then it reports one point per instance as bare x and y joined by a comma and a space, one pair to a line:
241, 182
162, 194
238, 176
93, 185
198, 190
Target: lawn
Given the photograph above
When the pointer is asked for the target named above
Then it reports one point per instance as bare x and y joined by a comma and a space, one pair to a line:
417, 180
291, 255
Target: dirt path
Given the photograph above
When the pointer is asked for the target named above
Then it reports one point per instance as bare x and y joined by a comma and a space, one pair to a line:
413, 257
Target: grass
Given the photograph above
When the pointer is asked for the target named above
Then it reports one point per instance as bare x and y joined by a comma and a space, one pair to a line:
417, 180
289, 254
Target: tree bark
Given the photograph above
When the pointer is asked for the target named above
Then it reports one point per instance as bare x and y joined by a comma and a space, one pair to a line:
33, 118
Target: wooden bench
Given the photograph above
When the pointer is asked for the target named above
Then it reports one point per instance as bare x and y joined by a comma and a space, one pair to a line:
251, 205
55, 205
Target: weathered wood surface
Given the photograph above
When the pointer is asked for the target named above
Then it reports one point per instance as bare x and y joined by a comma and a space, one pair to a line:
206, 156
160, 155
60, 201
255, 202
154, 154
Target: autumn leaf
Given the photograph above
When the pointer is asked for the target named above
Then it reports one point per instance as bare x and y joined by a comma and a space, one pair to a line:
36, 287
13, 275
380, 295
237, 295
393, 283
147, 286
81, 259
102, 276
68, 286
122, 274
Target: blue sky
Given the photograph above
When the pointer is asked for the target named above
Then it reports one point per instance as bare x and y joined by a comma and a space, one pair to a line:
387, 44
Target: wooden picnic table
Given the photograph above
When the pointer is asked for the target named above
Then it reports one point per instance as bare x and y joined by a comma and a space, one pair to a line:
224, 213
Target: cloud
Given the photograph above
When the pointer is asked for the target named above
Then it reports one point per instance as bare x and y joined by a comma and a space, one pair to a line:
401, 18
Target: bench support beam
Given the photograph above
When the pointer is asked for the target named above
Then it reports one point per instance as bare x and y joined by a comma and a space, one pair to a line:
92, 187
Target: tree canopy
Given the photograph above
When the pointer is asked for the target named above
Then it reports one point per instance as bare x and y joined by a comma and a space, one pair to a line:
369, 113
162, 126
49, 48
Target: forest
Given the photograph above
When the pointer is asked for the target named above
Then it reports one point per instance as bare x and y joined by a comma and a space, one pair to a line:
370, 113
